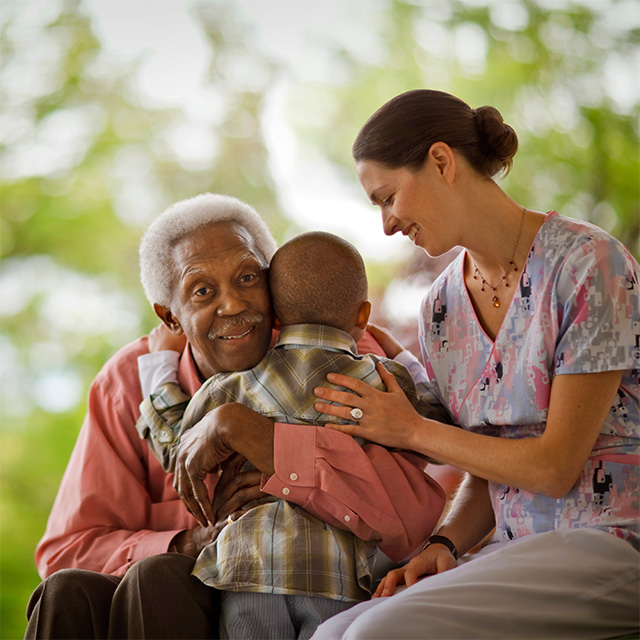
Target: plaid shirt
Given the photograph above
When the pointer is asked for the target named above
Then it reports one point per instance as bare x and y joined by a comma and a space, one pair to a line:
278, 547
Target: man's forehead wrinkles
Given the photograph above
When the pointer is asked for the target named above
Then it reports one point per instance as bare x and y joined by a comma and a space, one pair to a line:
246, 255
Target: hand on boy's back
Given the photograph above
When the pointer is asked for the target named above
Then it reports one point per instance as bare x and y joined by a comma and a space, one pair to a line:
234, 489
161, 339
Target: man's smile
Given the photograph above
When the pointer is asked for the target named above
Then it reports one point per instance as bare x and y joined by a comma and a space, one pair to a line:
238, 336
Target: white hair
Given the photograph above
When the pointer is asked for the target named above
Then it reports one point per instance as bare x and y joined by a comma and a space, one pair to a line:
178, 221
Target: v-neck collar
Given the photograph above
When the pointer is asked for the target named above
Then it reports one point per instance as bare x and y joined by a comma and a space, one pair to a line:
460, 274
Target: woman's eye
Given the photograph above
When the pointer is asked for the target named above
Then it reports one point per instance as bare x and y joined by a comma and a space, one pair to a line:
248, 277
202, 291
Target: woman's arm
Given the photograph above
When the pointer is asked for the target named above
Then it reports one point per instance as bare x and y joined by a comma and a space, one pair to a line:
469, 521
549, 464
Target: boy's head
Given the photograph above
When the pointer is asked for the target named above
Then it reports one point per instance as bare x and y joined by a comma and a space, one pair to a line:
320, 278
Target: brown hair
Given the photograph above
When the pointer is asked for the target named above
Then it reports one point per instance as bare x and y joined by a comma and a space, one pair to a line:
318, 278
401, 132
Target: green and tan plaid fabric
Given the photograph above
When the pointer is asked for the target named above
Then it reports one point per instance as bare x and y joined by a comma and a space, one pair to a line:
277, 547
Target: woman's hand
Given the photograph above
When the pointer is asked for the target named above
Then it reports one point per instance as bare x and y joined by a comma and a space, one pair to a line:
434, 559
388, 416
384, 338
161, 339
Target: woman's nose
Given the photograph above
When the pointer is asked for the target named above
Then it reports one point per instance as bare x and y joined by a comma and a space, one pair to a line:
389, 223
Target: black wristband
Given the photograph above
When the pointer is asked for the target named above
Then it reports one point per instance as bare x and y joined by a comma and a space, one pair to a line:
442, 540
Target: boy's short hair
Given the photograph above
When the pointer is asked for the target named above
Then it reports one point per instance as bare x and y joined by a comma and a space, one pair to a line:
318, 278
181, 219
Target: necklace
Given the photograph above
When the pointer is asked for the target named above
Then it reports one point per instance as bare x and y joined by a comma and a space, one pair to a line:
495, 301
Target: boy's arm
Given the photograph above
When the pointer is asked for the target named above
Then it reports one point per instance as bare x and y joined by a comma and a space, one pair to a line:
163, 407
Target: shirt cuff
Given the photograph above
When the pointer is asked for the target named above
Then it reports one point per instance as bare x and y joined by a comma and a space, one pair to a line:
152, 544
294, 454
413, 365
156, 369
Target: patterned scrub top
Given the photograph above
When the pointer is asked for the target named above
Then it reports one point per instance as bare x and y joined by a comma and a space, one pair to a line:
576, 310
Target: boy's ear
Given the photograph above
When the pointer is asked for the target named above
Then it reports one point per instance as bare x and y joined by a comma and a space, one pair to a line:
170, 321
363, 315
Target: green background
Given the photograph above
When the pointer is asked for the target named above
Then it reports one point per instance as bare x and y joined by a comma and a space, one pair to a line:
81, 145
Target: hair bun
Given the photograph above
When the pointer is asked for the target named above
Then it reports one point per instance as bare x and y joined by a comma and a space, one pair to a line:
498, 139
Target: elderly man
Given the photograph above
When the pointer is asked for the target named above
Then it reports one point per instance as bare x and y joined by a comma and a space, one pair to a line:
119, 545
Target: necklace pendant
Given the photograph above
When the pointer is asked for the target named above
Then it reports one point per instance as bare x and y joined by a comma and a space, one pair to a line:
495, 302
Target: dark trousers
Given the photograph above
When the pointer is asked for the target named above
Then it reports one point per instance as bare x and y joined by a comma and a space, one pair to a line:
157, 598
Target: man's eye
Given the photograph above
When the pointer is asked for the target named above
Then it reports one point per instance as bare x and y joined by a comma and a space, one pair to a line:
387, 202
202, 291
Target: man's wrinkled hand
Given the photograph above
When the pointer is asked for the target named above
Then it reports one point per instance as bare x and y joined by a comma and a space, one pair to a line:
192, 541
235, 488
202, 448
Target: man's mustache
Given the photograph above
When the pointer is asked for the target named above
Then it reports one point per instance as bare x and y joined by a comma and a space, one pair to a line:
236, 321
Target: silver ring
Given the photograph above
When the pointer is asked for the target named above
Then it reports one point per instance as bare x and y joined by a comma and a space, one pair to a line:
356, 414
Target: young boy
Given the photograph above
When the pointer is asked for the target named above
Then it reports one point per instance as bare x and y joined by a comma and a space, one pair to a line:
319, 293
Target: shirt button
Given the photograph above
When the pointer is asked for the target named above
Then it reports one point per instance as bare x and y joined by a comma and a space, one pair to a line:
286, 491
293, 476
347, 518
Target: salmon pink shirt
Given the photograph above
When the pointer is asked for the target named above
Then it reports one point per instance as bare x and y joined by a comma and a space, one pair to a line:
116, 505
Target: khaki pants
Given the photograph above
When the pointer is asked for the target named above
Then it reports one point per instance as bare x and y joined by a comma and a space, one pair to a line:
581, 583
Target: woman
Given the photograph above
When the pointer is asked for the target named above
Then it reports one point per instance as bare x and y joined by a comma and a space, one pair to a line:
531, 339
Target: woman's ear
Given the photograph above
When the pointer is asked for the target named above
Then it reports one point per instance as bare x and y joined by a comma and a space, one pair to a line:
444, 160
170, 321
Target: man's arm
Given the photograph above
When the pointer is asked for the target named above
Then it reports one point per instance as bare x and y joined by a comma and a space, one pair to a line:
115, 505
375, 493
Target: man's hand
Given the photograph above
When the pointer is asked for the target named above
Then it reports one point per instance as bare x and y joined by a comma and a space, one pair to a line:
235, 488
191, 542
201, 449
161, 339
227, 429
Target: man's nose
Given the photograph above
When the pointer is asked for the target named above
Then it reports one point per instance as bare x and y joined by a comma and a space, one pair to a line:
231, 303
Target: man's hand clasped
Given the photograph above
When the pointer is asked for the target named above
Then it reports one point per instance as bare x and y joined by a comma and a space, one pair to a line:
202, 450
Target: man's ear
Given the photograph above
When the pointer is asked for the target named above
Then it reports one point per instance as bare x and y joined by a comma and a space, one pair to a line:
171, 322
363, 315
443, 160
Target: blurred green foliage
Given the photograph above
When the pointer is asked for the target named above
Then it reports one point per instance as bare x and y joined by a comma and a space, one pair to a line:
86, 164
